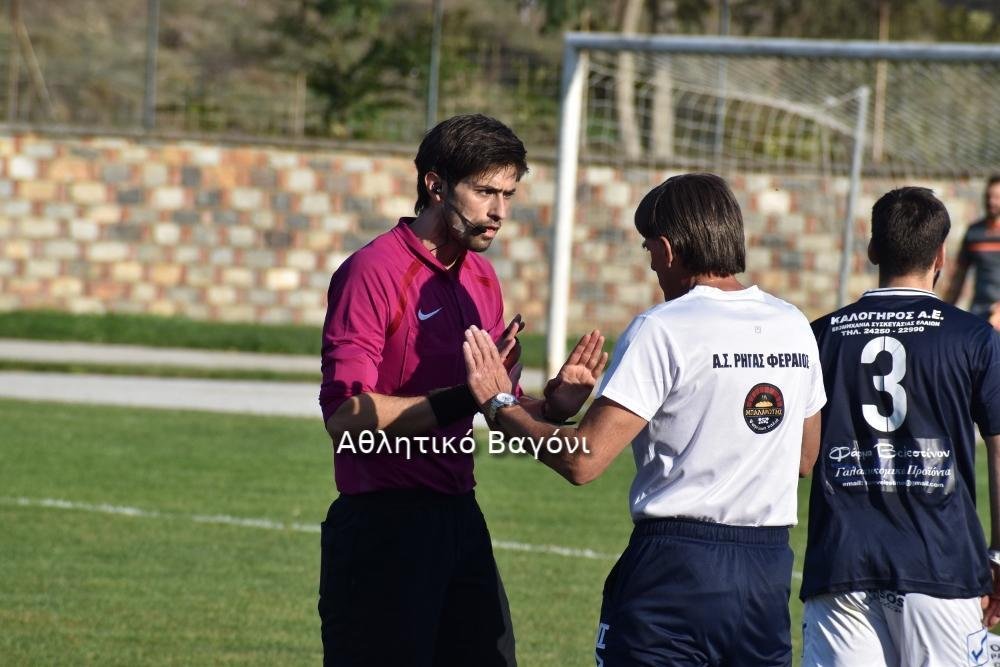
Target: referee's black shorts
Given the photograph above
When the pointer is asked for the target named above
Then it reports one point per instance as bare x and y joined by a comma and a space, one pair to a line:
689, 593
408, 578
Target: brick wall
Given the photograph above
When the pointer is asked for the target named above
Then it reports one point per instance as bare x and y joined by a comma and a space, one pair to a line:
252, 233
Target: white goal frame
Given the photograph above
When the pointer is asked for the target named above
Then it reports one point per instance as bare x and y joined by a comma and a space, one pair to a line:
574, 72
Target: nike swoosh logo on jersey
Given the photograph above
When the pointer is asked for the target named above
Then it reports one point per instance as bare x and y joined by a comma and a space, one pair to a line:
421, 315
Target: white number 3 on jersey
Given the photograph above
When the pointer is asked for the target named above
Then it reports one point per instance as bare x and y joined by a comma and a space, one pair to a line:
888, 384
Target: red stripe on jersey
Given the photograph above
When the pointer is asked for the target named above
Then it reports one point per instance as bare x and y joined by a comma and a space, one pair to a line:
408, 277
984, 246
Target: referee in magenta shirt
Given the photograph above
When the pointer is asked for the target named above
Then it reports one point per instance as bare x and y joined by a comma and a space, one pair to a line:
408, 575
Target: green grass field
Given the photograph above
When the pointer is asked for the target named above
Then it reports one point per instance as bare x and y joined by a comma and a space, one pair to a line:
155, 331
158, 331
184, 584
146, 370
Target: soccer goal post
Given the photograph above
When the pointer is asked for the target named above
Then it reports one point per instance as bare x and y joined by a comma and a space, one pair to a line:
733, 105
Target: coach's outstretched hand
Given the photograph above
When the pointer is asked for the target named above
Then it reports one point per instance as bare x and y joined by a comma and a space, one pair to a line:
566, 393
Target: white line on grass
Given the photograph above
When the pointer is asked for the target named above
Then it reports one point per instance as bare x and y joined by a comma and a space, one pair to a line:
553, 549
269, 524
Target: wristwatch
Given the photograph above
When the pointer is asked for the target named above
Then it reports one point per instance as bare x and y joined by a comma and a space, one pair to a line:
501, 400
994, 557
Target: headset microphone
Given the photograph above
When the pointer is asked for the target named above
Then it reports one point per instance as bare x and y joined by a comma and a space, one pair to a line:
475, 230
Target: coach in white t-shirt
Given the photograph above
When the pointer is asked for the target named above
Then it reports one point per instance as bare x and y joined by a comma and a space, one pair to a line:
719, 391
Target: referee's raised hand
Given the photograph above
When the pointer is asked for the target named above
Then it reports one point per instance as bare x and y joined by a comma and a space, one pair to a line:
484, 363
509, 345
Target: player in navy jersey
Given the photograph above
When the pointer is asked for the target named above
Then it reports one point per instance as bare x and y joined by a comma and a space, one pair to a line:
896, 559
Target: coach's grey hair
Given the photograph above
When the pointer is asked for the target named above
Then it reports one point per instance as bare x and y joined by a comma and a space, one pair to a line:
702, 220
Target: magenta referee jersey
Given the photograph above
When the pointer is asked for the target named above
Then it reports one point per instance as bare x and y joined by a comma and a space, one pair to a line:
395, 324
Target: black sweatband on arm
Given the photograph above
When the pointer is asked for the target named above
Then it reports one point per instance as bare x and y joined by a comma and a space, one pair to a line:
451, 404
552, 420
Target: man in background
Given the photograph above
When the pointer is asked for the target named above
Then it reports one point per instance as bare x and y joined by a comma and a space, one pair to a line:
981, 251
896, 560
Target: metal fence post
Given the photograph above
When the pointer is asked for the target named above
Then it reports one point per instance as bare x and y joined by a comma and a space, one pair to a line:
152, 34
13, 66
435, 66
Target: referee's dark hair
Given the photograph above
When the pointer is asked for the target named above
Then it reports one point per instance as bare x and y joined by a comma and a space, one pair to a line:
464, 146
702, 220
908, 227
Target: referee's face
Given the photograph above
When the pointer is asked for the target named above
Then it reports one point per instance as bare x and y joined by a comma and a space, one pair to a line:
477, 206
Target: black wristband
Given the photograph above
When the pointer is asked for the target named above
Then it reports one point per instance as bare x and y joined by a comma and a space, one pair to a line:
552, 420
451, 404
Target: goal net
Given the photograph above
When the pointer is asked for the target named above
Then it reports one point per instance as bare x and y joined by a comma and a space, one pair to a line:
652, 106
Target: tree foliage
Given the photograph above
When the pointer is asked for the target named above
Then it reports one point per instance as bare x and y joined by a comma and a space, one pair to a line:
236, 65
357, 55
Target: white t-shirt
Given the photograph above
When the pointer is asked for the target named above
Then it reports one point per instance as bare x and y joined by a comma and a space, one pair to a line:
725, 380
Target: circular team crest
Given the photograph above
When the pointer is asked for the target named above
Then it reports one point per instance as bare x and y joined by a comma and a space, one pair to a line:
764, 408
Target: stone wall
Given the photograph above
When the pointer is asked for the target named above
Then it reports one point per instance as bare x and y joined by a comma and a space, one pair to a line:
252, 233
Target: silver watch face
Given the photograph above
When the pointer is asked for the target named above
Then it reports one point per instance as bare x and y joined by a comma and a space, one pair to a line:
501, 400
505, 399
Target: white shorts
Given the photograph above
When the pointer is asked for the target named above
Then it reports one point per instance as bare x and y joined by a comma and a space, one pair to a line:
876, 628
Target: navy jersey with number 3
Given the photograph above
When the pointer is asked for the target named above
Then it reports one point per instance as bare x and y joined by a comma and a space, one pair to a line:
893, 502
